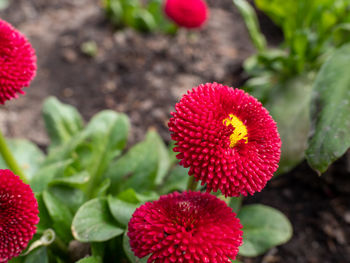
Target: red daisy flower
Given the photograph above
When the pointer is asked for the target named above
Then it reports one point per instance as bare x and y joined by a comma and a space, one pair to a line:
227, 138
187, 13
17, 62
18, 215
190, 227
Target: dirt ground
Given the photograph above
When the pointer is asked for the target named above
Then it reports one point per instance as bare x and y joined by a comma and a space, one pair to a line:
143, 76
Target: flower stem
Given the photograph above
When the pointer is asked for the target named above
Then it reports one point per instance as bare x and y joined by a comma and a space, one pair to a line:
192, 184
9, 159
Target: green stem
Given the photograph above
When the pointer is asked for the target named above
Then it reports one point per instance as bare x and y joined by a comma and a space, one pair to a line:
10, 160
192, 184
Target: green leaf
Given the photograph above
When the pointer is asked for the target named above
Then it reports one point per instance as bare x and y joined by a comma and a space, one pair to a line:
73, 198
143, 167
60, 215
252, 23
74, 180
236, 203
331, 111
176, 181
38, 256
290, 109
45, 220
46, 173
130, 196
27, 154
108, 132
91, 259
3, 4
129, 253
62, 121
121, 210
263, 227
94, 223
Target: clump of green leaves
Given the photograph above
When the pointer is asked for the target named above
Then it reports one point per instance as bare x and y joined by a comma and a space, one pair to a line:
302, 82
141, 16
89, 184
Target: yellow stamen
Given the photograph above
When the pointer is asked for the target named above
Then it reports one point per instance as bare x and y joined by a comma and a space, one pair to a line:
240, 132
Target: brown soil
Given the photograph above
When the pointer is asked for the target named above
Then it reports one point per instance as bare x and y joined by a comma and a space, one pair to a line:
143, 76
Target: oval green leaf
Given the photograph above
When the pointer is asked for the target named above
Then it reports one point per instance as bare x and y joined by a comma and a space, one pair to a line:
94, 223
264, 227
331, 111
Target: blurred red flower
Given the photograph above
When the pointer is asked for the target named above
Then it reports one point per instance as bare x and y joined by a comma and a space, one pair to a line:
187, 13
227, 138
18, 215
189, 227
17, 62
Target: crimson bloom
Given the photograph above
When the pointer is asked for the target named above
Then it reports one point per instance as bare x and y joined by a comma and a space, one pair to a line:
18, 215
187, 13
190, 227
227, 138
17, 62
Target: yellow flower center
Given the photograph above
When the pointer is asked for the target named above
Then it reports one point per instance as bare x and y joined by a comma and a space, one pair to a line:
240, 130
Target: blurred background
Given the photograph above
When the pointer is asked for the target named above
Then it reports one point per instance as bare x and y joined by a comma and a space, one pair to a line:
84, 61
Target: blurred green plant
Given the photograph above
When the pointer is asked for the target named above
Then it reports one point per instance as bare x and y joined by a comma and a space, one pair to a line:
136, 14
88, 186
303, 81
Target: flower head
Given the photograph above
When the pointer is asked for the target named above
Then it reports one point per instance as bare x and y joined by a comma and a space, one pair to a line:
227, 138
18, 215
189, 227
17, 62
187, 13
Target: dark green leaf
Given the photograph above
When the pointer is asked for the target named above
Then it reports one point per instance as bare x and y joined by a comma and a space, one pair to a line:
129, 253
38, 256
45, 220
94, 223
331, 111
290, 109
263, 227
176, 181
60, 215
143, 167
108, 132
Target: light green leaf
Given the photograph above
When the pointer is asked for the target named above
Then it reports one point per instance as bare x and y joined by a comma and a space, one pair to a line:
74, 180
331, 111
94, 223
252, 23
27, 154
121, 210
290, 109
263, 227
91, 259
62, 121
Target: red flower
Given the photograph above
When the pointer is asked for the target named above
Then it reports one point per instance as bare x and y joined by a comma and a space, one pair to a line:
17, 62
227, 138
187, 13
190, 227
18, 215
